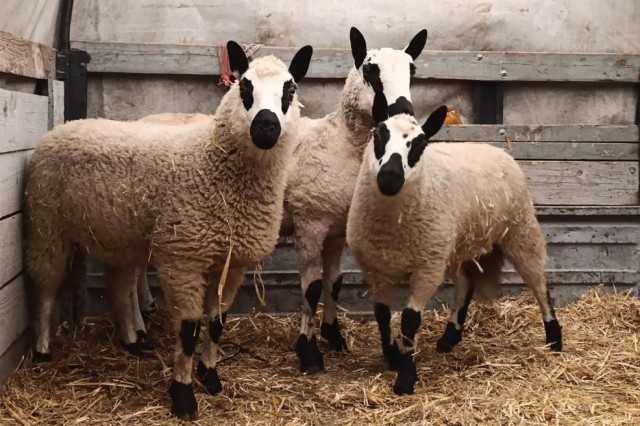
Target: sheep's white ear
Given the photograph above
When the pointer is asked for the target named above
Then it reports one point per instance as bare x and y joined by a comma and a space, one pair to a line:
435, 121
300, 63
414, 49
380, 110
358, 46
237, 58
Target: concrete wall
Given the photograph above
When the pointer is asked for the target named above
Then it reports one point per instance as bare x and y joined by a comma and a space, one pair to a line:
35, 20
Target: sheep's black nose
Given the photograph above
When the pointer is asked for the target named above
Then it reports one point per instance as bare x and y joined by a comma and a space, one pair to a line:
401, 106
265, 129
391, 176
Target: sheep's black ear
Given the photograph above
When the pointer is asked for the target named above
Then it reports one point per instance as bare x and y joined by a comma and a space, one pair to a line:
358, 46
300, 63
414, 49
380, 110
237, 58
435, 121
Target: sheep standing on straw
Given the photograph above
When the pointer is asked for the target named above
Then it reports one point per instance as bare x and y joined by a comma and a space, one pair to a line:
425, 210
198, 201
326, 161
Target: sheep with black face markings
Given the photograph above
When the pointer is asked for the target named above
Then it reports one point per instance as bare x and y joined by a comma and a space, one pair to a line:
322, 178
421, 211
198, 201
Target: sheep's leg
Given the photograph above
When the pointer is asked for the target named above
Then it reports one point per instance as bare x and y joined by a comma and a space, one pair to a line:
143, 340
207, 373
120, 285
146, 301
382, 313
525, 249
46, 265
309, 242
463, 293
186, 292
332, 280
422, 285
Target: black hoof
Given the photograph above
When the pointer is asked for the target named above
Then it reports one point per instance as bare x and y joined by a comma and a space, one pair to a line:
209, 378
407, 375
392, 355
309, 355
133, 348
39, 357
144, 342
184, 405
331, 332
451, 337
553, 330
150, 310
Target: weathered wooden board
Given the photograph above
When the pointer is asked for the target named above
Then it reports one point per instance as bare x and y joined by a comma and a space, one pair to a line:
23, 57
10, 247
585, 183
11, 181
24, 120
14, 317
12, 357
572, 151
150, 58
556, 133
56, 103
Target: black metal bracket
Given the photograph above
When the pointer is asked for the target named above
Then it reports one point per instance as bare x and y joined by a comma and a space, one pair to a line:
71, 67
488, 102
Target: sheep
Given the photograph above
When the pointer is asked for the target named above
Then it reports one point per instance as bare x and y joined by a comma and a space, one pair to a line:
199, 202
421, 211
322, 178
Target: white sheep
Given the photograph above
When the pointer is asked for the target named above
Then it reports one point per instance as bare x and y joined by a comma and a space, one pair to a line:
198, 201
421, 211
322, 179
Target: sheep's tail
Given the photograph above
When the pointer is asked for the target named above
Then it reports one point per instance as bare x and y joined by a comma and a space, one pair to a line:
487, 281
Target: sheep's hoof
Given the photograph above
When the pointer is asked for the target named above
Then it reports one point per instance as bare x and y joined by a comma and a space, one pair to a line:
449, 339
331, 332
309, 355
407, 375
553, 330
39, 357
144, 342
392, 355
209, 378
185, 406
133, 348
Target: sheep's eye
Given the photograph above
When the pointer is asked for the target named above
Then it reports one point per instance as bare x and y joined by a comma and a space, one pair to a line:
412, 69
366, 71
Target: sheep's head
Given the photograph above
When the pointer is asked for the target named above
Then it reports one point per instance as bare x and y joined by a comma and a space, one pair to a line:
267, 90
398, 143
387, 70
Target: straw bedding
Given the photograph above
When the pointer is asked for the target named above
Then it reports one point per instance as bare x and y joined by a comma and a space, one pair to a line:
499, 374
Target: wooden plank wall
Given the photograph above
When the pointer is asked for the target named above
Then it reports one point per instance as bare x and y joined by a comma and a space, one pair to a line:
24, 118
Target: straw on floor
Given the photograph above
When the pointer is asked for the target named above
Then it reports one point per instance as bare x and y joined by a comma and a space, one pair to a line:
500, 374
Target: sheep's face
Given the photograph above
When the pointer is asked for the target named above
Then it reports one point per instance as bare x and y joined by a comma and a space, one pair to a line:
398, 143
387, 70
267, 91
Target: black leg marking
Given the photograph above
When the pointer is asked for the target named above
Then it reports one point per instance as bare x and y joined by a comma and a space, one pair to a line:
407, 375
331, 332
409, 325
452, 336
41, 357
133, 348
553, 331
389, 350
215, 328
184, 405
449, 339
189, 331
310, 357
313, 294
209, 378
144, 342
335, 289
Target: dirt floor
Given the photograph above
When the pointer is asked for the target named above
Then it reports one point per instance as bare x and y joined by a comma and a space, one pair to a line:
500, 374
